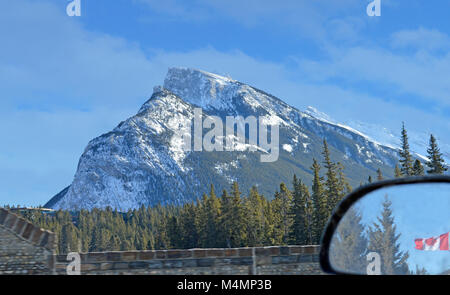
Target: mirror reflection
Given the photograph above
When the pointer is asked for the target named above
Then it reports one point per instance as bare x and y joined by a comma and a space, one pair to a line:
397, 230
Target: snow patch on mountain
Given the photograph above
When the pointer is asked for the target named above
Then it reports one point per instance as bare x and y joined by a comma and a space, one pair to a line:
383, 136
287, 147
200, 88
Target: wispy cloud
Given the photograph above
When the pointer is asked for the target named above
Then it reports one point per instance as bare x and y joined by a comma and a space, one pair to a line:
419, 74
421, 39
45, 54
319, 20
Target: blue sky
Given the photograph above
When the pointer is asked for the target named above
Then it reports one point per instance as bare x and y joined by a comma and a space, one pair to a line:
65, 80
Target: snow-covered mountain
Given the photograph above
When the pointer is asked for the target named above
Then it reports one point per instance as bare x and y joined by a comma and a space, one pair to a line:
142, 161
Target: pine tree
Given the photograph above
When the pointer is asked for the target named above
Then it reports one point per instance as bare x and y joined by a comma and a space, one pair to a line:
256, 219
213, 212
436, 160
349, 246
173, 229
68, 239
406, 161
343, 184
420, 271
309, 216
379, 175
302, 214
397, 172
238, 217
233, 219
383, 239
319, 199
188, 227
269, 223
282, 209
225, 219
332, 187
418, 169
201, 220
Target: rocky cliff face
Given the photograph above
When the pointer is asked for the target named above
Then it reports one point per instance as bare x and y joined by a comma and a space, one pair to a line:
143, 162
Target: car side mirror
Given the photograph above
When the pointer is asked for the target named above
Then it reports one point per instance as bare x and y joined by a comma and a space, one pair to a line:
393, 227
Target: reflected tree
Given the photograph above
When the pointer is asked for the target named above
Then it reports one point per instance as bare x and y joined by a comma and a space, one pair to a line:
349, 246
383, 239
420, 271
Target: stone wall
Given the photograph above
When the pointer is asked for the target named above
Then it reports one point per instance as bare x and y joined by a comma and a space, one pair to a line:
27, 249
288, 260
24, 248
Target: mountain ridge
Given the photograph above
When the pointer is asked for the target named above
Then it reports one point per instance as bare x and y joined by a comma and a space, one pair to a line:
140, 162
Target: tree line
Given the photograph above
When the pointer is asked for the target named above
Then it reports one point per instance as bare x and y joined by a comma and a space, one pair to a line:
295, 215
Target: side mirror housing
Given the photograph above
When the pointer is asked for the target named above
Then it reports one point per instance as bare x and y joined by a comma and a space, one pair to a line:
392, 227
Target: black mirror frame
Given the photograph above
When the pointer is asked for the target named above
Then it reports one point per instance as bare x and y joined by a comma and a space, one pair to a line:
351, 199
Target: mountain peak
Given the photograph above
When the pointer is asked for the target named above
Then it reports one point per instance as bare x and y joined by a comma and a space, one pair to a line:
177, 73
312, 111
200, 88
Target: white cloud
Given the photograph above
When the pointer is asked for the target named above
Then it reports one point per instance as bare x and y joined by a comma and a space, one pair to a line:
50, 52
319, 20
421, 39
421, 74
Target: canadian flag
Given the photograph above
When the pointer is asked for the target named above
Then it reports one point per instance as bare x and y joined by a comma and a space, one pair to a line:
433, 244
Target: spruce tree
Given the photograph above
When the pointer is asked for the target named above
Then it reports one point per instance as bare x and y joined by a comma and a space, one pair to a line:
201, 221
379, 175
173, 230
256, 219
406, 161
213, 212
435, 158
238, 217
418, 169
68, 239
397, 172
343, 184
269, 223
332, 188
224, 221
421, 271
309, 216
232, 219
282, 210
383, 239
302, 214
320, 203
349, 245
188, 228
